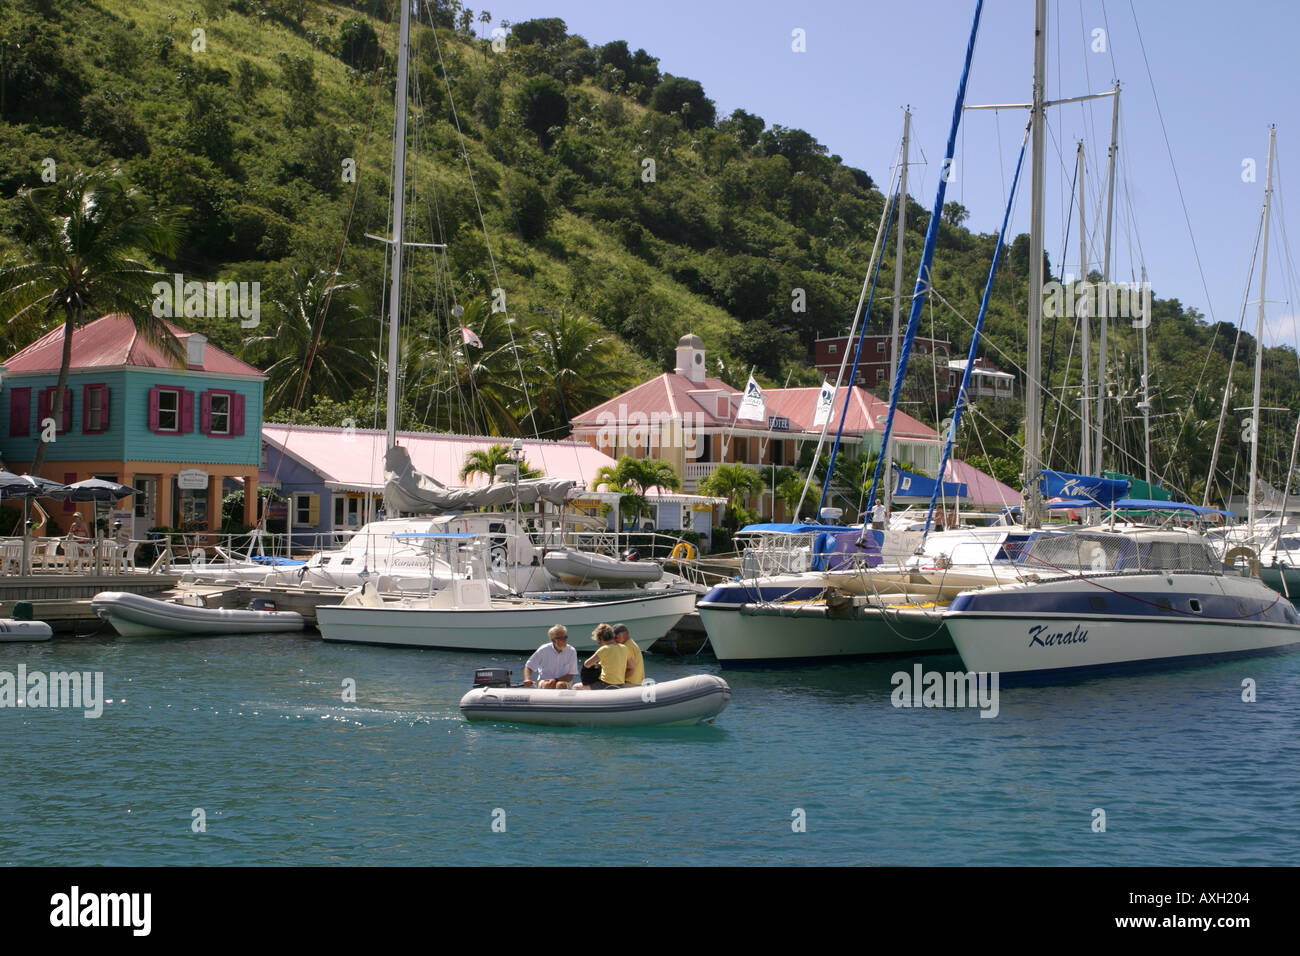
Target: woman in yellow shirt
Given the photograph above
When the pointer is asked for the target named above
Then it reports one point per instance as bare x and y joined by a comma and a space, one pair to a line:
612, 657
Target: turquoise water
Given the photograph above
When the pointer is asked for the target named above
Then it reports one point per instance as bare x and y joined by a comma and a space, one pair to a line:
253, 731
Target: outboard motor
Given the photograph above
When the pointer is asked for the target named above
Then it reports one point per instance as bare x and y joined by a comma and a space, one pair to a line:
630, 555
261, 604
492, 677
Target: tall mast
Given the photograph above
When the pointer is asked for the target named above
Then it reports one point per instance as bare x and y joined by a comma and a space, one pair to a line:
1033, 372
1082, 299
1144, 406
1105, 277
898, 289
399, 215
1259, 335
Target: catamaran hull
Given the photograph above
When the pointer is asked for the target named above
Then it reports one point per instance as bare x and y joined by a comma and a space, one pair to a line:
519, 628
687, 700
759, 635
1051, 633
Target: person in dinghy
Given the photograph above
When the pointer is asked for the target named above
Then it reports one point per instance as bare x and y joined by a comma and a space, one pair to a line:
555, 663
613, 659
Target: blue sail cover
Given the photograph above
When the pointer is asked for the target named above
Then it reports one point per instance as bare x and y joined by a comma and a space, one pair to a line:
908, 485
1094, 491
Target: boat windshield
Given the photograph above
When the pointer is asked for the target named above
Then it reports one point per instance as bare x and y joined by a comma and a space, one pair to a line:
1092, 551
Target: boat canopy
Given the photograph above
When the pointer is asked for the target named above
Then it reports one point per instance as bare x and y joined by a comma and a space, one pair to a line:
1138, 504
790, 528
411, 491
1088, 489
918, 489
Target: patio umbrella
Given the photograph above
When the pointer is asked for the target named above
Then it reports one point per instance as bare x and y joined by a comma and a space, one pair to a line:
96, 489
28, 487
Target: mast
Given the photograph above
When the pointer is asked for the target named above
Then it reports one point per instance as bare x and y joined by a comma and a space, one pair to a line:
1033, 372
1259, 335
1105, 278
1081, 300
399, 215
1144, 406
898, 291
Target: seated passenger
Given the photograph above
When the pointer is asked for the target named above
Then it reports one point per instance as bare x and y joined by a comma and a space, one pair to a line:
611, 657
635, 665
554, 663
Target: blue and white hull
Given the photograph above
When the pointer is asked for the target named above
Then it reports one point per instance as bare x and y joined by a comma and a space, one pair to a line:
1115, 622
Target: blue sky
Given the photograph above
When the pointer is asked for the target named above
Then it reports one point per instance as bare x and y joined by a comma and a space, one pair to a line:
1221, 75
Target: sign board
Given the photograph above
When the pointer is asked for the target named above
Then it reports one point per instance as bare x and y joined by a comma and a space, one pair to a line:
192, 479
702, 509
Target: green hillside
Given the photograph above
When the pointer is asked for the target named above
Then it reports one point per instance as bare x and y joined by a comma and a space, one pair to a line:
619, 213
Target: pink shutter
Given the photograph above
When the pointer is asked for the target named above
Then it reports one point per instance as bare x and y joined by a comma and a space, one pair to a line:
69, 477
85, 409
103, 407
90, 394
187, 411
20, 412
67, 410
236, 414
205, 413
153, 408
43, 400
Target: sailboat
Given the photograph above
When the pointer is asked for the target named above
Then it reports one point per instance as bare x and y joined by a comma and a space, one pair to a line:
1113, 601
464, 614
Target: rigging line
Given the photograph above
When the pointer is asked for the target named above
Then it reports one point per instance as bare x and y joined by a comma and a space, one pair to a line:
487, 241
1065, 238
1209, 303
1227, 384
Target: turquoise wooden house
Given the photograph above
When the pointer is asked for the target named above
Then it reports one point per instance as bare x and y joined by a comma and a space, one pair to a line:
181, 435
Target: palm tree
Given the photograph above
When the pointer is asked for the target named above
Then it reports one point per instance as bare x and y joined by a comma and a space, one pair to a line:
577, 365
633, 477
737, 483
485, 379
81, 239
305, 362
485, 463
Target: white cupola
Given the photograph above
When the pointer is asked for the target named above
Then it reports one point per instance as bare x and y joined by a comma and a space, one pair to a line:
690, 358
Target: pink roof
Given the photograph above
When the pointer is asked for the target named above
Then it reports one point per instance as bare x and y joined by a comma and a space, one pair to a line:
111, 342
866, 412
676, 396
983, 490
355, 458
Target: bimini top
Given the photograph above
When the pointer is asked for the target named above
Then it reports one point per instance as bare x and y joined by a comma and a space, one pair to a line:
791, 528
1138, 504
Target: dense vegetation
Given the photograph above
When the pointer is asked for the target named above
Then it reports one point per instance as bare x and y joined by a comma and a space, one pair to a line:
619, 211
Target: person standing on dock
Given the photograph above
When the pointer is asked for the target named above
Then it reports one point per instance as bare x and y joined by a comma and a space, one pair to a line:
636, 666
555, 662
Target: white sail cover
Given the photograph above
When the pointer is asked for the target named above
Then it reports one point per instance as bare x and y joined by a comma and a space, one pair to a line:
413, 492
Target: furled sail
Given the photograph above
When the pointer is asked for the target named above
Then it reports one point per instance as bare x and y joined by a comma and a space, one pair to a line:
410, 491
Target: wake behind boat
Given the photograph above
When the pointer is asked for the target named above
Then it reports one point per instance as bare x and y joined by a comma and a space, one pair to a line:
134, 615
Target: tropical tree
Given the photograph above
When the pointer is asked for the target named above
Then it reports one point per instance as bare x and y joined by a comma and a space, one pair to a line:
737, 483
485, 463
81, 237
633, 478
482, 387
577, 365
306, 362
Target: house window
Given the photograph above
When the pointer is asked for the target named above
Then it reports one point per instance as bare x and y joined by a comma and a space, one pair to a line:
832, 348
220, 421
880, 347
302, 510
169, 410
95, 409
880, 375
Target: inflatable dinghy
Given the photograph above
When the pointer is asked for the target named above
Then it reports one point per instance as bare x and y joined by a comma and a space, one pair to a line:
134, 615
686, 700
12, 631
583, 567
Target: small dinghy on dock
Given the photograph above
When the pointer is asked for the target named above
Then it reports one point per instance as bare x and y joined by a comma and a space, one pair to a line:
686, 700
134, 615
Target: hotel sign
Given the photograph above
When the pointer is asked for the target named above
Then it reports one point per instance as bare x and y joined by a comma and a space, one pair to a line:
778, 423
192, 479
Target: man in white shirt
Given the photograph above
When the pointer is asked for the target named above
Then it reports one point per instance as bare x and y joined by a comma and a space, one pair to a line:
555, 663
878, 515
